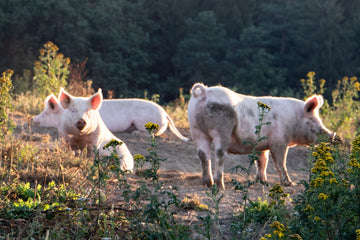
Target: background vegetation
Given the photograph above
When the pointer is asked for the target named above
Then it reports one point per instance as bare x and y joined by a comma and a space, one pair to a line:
257, 47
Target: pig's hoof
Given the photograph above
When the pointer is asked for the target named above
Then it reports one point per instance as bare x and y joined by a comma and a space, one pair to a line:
287, 184
208, 182
220, 184
261, 179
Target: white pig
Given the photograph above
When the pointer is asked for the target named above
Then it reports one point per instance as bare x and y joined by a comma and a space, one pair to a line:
81, 124
119, 115
227, 119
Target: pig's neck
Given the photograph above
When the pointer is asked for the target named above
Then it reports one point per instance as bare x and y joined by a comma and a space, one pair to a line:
102, 133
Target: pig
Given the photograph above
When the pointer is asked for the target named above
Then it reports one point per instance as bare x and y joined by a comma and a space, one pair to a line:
119, 115
50, 116
82, 126
227, 119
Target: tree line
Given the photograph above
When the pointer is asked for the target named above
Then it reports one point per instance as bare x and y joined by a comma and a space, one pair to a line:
260, 47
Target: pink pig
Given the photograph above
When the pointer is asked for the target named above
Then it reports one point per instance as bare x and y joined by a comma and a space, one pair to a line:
81, 124
227, 119
119, 115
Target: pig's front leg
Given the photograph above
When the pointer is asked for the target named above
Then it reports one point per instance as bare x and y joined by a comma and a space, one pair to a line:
261, 165
279, 154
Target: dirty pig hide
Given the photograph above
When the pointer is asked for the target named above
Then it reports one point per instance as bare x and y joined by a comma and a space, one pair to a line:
227, 119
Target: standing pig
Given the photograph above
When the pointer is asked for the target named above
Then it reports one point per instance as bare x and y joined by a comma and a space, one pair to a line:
119, 115
81, 124
227, 119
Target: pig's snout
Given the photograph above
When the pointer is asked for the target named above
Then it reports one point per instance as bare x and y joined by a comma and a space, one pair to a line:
80, 124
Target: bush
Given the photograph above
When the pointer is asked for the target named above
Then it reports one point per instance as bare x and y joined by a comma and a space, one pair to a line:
6, 88
50, 71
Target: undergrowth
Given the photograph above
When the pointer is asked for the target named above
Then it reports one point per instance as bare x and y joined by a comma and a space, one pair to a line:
48, 193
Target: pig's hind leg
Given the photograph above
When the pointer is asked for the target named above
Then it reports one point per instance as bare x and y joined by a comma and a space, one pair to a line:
202, 143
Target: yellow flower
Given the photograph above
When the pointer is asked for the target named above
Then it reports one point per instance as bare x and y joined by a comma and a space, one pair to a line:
318, 182
263, 106
326, 173
354, 163
309, 208
138, 157
316, 218
152, 126
357, 86
323, 196
310, 74
333, 180
357, 234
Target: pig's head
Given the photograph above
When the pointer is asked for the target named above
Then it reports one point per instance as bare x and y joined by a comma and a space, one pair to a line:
81, 115
50, 117
312, 126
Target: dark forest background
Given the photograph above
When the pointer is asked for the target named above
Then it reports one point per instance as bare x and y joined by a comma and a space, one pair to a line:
260, 47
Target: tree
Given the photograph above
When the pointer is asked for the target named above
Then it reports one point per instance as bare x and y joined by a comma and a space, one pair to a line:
200, 56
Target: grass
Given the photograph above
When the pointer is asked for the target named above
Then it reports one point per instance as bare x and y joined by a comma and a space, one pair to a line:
48, 192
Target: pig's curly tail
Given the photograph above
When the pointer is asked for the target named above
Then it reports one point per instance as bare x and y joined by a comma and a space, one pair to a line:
198, 90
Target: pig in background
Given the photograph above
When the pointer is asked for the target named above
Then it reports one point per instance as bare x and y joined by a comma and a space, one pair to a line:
227, 119
119, 115
82, 126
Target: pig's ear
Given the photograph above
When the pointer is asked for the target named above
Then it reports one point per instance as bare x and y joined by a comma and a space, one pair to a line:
313, 102
53, 102
96, 100
64, 98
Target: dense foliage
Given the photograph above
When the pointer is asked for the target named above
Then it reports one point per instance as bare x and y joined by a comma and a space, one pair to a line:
256, 47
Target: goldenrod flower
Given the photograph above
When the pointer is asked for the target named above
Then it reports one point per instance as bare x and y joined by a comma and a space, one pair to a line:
310, 74
333, 180
357, 86
138, 157
152, 126
308, 208
353, 163
316, 218
357, 234
323, 196
263, 106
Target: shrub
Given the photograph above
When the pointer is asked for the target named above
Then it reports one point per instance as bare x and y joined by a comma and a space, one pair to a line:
341, 113
50, 71
6, 88
328, 208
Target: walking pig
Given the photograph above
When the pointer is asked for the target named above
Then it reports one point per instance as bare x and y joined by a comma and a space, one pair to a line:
227, 119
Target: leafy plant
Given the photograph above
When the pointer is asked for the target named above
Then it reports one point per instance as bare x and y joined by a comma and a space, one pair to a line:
6, 88
154, 218
326, 208
341, 114
50, 71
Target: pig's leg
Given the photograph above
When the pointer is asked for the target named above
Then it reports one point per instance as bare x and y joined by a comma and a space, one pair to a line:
279, 154
202, 143
261, 164
221, 144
